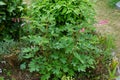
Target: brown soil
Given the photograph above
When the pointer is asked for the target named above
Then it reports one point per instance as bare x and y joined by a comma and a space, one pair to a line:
11, 73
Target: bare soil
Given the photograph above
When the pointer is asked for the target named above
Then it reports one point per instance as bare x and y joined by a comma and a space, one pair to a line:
12, 73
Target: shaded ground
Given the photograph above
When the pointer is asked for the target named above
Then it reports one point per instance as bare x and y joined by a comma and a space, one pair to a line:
110, 24
7, 72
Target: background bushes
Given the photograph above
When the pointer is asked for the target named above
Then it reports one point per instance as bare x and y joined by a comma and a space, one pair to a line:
10, 18
112, 2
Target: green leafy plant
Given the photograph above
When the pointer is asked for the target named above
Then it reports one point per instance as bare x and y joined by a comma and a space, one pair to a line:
62, 39
10, 18
101, 72
112, 69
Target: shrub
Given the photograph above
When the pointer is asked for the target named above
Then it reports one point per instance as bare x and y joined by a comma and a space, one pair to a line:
62, 39
10, 18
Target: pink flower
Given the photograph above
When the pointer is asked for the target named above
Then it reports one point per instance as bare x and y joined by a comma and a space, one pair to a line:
82, 30
102, 22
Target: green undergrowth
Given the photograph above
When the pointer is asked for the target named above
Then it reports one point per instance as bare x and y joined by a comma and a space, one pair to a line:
11, 12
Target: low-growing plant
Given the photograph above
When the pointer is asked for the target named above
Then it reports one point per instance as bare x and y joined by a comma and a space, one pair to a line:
62, 39
112, 69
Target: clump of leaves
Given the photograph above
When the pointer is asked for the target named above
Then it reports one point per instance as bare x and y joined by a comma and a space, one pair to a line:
62, 40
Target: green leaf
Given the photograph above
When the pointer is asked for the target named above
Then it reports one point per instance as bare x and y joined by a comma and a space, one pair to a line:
2, 3
45, 76
65, 69
21, 8
58, 6
77, 11
63, 60
64, 10
82, 68
49, 68
55, 56
27, 56
23, 66
56, 71
26, 50
33, 66
78, 57
11, 8
71, 72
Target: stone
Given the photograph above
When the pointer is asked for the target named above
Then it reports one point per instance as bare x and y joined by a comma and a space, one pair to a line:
118, 5
0, 70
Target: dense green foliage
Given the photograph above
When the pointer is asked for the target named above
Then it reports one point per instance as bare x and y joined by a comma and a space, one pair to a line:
8, 46
61, 39
58, 41
10, 18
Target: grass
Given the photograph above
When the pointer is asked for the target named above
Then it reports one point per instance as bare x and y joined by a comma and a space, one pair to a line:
105, 12
1, 78
112, 28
